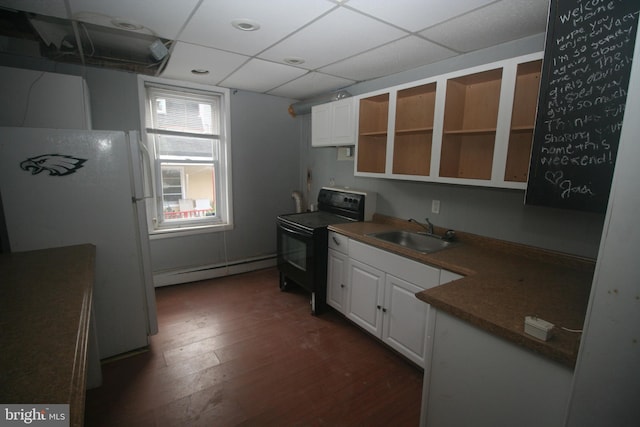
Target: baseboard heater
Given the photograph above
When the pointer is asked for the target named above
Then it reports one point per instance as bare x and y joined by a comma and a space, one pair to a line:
175, 277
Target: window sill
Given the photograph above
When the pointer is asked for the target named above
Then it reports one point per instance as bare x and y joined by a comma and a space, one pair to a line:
169, 233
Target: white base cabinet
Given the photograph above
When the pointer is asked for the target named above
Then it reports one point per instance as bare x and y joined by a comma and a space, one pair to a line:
365, 296
337, 262
475, 378
381, 299
405, 319
336, 285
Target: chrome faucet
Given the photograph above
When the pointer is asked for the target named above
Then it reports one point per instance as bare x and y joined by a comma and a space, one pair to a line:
428, 226
449, 235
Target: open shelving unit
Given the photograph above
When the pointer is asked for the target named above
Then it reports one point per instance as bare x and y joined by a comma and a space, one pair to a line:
470, 120
468, 127
415, 109
523, 117
372, 133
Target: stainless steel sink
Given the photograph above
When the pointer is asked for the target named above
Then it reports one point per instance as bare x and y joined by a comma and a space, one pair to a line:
416, 241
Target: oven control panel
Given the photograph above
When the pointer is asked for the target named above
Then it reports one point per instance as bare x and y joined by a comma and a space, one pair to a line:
342, 203
340, 199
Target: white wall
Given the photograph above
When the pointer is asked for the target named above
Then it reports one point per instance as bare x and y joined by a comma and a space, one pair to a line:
40, 99
606, 389
265, 153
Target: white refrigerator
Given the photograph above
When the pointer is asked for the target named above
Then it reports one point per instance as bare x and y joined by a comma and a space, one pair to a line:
65, 187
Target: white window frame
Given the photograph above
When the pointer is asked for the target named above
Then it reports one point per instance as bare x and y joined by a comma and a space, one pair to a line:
224, 204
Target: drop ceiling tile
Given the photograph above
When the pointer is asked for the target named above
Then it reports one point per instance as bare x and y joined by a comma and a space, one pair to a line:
414, 15
211, 24
261, 76
401, 55
186, 57
54, 8
337, 35
164, 18
497, 23
310, 85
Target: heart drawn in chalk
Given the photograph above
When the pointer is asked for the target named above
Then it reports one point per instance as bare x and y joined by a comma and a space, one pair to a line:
553, 177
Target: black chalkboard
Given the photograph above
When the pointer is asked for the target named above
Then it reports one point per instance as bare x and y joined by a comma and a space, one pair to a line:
583, 92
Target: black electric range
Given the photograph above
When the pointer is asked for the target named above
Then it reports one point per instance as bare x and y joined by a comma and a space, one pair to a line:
302, 242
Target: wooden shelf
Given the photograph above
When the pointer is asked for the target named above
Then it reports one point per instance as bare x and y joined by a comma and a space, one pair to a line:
470, 131
415, 130
525, 101
522, 128
372, 133
372, 154
412, 154
378, 133
470, 119
415, 110
467, 156
374, 114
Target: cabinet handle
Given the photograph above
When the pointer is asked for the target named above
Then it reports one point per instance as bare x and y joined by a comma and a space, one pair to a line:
336, 241
341, 285
379, 307
384, 310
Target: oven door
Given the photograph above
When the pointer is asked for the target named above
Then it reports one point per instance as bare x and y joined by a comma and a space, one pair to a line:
295, 255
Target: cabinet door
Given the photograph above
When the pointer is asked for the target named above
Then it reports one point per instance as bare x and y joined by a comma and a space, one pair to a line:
333, 123
321, 125
365, 293
336, 280
405, 319
343, 129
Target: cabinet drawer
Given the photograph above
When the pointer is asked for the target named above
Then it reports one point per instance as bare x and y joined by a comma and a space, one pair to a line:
415, 272
338, 242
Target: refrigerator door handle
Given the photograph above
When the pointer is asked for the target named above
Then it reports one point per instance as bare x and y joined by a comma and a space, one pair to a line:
146, 164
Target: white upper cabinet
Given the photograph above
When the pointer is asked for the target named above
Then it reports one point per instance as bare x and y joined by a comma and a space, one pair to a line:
333, 123
470, 127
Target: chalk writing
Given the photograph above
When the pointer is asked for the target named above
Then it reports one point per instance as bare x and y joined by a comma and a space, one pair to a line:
583, 94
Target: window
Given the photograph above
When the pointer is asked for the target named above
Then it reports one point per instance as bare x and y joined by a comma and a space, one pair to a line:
188, 144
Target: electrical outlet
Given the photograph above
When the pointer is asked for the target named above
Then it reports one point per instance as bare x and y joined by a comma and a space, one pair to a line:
345, 153
435, 206
537, 327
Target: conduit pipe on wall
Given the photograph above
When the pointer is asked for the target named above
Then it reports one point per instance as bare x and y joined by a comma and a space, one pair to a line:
304, 107
298, 199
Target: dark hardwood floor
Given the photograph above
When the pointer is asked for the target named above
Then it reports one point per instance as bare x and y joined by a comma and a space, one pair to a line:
236, 351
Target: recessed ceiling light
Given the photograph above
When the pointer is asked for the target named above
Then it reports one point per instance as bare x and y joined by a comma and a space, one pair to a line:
126, 25
292, 60
199, 71
245, 24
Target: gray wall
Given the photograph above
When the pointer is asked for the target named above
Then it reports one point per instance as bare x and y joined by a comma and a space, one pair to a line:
265, 164
264, 153
497, 213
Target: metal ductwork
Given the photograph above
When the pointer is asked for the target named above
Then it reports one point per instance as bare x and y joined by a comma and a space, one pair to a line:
304, 107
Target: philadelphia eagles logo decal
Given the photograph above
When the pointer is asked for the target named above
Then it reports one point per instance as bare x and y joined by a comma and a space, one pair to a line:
55, 164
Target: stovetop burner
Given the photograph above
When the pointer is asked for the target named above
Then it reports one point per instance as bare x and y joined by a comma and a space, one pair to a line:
313, 220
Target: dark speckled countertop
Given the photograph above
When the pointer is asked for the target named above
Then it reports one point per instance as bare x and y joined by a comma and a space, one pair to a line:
503, 283
45, 306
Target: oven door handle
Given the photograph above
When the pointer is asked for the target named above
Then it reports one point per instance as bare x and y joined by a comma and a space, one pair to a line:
292, 231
